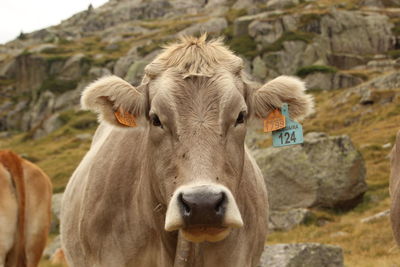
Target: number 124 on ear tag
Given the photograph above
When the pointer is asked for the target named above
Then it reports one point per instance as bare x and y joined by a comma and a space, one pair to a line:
292, 134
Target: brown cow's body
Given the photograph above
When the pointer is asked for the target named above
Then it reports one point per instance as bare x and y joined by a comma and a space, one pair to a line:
25, 199
394, 189
151, 195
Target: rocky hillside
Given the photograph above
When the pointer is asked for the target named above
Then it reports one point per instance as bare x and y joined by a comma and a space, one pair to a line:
346, 50
332, 44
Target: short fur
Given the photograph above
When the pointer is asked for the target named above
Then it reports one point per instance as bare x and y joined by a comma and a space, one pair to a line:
115, 204
19, 179
394, 188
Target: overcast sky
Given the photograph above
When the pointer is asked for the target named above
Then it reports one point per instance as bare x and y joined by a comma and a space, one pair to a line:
31, 15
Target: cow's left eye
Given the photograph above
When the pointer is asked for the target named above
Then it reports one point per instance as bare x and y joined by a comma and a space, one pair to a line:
155, 120
241, 117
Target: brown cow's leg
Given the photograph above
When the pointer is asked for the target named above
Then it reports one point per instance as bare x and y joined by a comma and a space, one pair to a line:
8, 217
38, 199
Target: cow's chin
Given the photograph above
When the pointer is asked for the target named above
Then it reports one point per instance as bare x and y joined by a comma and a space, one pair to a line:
202, 234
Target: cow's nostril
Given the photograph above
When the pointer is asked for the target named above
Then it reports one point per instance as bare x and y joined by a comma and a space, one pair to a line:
185, 205
220, 206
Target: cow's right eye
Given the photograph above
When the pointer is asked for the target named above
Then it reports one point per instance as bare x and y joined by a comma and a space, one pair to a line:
155, 120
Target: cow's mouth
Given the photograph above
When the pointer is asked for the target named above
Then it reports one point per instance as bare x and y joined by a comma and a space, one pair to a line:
201, 234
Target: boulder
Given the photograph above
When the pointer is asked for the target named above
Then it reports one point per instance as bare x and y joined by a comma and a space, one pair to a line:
49, 125
302, 255
280, 4
213, 26
136, 72
74, 68
122, 65
286, 220
259, 69
325, 171
357, 32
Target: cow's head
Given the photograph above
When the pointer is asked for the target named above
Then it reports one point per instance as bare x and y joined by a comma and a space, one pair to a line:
194, 103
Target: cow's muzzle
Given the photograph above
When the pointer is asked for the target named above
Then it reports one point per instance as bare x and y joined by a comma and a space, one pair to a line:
203, 213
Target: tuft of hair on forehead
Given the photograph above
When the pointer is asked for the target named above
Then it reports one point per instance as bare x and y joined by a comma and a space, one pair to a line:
195, 56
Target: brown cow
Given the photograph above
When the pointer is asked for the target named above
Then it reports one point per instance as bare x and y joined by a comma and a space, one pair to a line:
394, 188
25, 199
181, 188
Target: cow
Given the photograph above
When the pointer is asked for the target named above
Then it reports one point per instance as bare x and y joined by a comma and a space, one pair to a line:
25, 203
180, 188
394, 188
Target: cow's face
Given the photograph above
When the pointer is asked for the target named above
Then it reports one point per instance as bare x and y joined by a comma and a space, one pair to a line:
196, 124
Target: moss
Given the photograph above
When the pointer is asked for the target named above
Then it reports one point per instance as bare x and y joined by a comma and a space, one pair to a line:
57, 86
244, 45
394, 53
55, 58
233, 14
288, 36
304, 71
6, 82
56, 50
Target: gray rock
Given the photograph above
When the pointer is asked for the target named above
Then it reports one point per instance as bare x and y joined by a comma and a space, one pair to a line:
74, 68
376, 217
241, 25
49, 125
122, 65
319, 80
212, 26
302, 255
286, 220
259, 69
357, 32
382, 65
279, 4
323, 172
55, 213
387, 81
136, 72
345, 61
97, 72
329, 81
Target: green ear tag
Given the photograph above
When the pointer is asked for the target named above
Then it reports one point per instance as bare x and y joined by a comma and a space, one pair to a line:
292, 134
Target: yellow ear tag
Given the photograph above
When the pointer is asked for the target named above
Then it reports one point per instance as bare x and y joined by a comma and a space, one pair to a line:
125, 118
274, 121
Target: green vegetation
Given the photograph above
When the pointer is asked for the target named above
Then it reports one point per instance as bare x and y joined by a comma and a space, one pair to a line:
57, 86
304, 71
394, 53
233, 14
244, 45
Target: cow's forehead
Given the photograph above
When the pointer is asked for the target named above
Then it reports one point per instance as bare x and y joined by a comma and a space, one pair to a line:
172, 86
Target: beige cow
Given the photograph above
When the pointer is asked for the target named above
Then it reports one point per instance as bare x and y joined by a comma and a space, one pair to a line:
394, 189
25, 199
181, 188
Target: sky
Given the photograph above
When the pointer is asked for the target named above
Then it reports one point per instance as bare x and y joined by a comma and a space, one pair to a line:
31, 15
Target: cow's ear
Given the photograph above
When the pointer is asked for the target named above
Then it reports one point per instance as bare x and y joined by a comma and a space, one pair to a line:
115, 100
283, 89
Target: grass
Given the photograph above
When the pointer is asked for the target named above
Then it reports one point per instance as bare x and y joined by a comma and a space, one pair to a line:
244, 45
57, 86
304, 71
